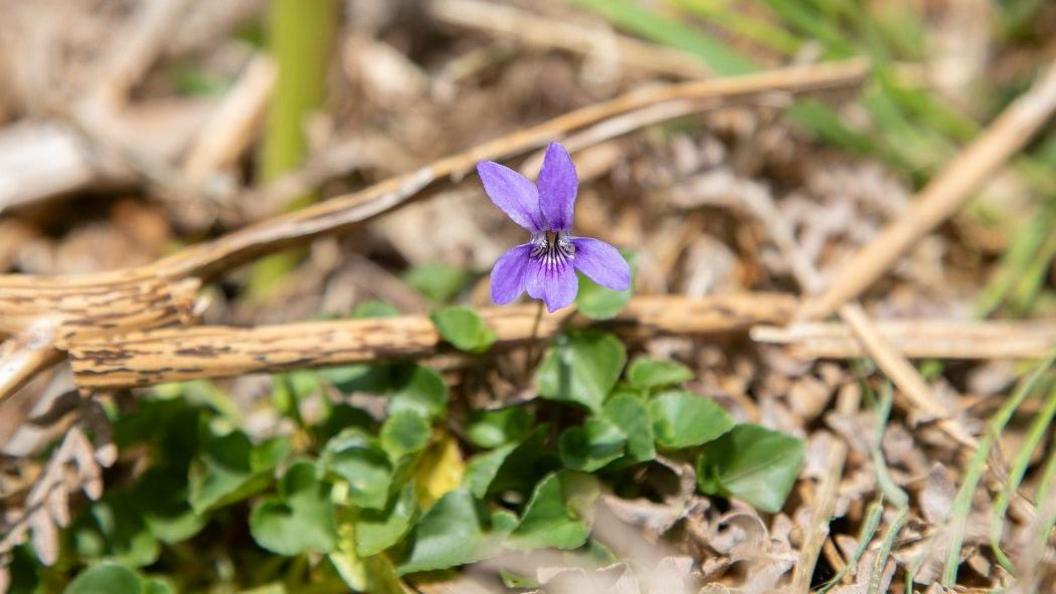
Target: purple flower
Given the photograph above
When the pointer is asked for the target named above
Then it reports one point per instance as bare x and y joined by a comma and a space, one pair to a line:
546, 266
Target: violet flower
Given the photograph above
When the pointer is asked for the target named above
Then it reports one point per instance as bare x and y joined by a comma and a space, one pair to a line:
546, 266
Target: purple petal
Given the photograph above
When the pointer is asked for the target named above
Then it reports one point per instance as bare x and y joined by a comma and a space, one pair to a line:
513, 193
556, 285
602, 263
558, 183
509, 275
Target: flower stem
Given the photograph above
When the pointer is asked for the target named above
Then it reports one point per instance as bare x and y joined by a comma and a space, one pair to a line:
530, 360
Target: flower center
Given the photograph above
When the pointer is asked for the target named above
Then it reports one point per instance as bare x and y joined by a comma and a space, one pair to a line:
553, 248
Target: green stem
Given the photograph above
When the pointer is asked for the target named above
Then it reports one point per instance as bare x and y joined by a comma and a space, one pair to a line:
300, 36
1019, 468
962, 503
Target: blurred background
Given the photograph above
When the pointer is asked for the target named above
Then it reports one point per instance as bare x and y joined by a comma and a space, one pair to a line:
132, 128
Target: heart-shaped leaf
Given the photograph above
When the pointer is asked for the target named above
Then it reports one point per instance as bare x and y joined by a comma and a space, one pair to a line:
462, 327
363, 464
591, 446
559, 514
582, 368
404, 432
648, 373
630, 415
510, 467
493, 428
231, 468
377, 530
452, 532
752, 463
419, 389
300, 518
684, 419
106, 578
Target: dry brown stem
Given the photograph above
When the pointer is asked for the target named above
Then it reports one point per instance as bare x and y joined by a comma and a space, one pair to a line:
919, 339
25, 355
910, 383
160, 294
230, 128
942, 197
821, 514
176, 354
343, 212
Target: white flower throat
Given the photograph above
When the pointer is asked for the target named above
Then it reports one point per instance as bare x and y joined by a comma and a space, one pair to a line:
553, 248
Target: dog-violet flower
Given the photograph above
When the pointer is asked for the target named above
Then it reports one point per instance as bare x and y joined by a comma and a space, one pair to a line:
546, 266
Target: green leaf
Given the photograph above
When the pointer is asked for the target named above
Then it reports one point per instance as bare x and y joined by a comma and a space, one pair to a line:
451, 533
462, 327
630, 414
300, 518
751, 463
359, 377
377, 530
419, 389
157, 586
683, 419
482, 468
343, 416
363, 464
114, 528
598, 302
404, 432
106, 578
162, 495
559, 514
510, 467
591, 446
493, 428
375, 308
582, 368
437, 281
230, 468
648, 373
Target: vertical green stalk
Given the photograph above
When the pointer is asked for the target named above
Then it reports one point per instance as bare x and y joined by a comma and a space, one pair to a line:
963, 501
300, 39
1035, 435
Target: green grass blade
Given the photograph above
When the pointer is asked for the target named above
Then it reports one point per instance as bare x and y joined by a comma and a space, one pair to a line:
722, 14
963, 501
1035, 434
670, 31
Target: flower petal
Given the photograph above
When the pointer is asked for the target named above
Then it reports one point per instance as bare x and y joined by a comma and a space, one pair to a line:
556, 285
513, 193
510, 273
558, 184
602, 263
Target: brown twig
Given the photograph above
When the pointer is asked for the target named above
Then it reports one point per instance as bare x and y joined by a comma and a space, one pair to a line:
176, 354
919, 339
942, 197
24, 356
906, 377
230, 127
142, 298
821, 514
343, 212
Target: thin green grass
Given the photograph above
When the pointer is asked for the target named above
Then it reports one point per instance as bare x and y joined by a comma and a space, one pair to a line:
963, 501
1038, 429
